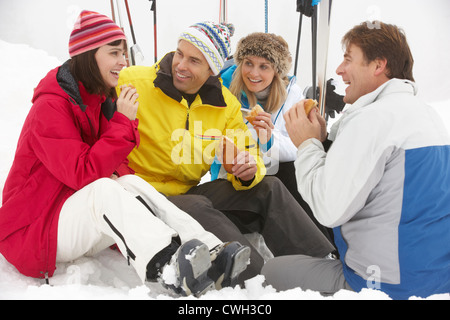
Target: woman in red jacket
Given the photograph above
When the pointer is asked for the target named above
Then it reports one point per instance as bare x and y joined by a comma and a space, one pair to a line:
70, 191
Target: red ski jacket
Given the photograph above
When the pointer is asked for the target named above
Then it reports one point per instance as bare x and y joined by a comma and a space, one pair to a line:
69, 139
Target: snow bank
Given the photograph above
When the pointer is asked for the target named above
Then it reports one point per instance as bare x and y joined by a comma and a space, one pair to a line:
106, 275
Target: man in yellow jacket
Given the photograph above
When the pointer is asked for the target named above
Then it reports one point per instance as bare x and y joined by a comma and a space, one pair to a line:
184, 112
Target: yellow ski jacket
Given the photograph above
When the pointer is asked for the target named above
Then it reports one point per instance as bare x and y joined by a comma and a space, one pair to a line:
178, 142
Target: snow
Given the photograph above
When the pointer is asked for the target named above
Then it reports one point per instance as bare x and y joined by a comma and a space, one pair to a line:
107, 275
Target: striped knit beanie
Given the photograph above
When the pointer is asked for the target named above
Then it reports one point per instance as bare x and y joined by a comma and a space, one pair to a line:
213, 40
91, 31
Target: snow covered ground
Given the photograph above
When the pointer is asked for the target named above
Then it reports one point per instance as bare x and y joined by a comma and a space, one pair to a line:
106, 275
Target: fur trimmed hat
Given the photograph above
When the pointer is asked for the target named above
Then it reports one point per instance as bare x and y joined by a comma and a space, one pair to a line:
268, 46
213, 40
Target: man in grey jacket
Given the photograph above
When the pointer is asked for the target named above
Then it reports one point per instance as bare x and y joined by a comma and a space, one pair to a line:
384, 185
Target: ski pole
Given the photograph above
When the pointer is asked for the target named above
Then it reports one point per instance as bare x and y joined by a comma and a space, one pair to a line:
113, 12
305, 8
314, 52
121, 27
155, 34
135, 50
266, 14
129, 20
223, 11
298, 42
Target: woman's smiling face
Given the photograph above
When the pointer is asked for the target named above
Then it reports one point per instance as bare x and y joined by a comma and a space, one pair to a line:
110, 61
257, 73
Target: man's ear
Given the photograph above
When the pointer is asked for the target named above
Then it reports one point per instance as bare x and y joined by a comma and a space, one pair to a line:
380, 66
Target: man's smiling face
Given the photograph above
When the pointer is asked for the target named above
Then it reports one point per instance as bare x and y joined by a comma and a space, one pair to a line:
190, 70
358, 74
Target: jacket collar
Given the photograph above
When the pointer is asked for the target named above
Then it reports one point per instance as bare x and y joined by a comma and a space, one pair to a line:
210, 93
70, 86
67, 82
389, 87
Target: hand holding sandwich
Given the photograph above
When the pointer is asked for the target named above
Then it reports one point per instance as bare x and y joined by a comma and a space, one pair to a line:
239, 163
262, 123
304, 122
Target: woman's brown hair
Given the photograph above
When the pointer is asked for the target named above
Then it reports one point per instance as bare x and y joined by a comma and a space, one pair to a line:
379, 40
84, 68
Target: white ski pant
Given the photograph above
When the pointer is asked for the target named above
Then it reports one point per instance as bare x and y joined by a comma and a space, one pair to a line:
108, 211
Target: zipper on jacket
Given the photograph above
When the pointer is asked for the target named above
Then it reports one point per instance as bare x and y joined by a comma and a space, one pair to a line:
130, 253
187, 121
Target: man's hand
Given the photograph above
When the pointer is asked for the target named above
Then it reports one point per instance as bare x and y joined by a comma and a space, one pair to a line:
302, 127
244, 166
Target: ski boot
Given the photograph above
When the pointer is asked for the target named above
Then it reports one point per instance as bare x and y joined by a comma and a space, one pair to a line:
229, 260
187, 272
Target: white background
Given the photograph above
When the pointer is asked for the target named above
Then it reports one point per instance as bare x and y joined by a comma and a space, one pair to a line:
46, 24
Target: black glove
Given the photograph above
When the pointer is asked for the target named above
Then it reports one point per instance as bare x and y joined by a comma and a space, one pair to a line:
334, 102
305, 7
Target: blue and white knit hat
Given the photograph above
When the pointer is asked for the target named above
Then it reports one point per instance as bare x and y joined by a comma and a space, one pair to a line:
213, 40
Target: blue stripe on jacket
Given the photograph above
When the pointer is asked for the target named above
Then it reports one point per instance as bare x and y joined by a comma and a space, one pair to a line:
424, 229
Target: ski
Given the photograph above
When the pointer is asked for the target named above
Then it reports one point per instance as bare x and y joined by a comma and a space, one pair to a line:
324, 15
320, 13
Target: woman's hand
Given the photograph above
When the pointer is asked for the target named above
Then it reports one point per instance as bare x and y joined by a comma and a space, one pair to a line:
263, 125
127, 103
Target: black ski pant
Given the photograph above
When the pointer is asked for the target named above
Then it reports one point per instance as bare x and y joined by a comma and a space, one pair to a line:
268, 208
286, 173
